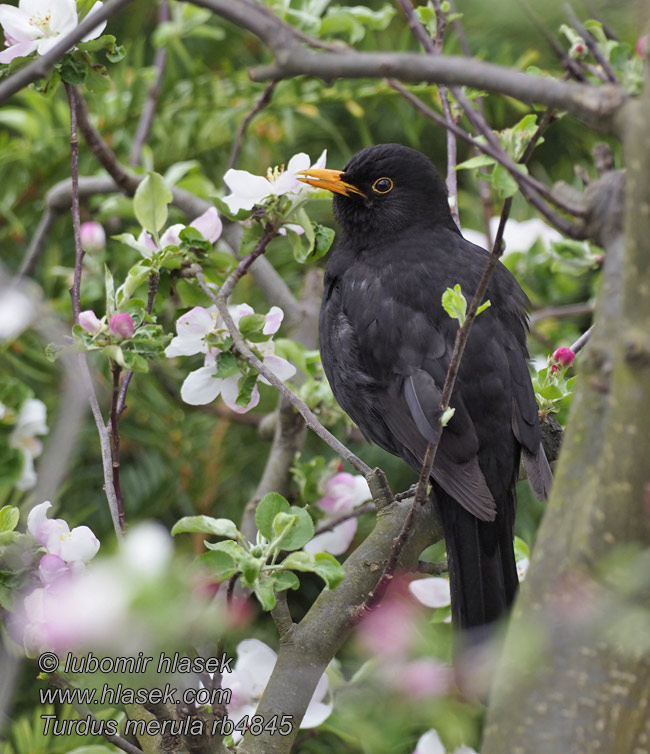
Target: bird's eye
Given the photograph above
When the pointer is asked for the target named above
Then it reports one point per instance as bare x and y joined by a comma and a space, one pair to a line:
382, 186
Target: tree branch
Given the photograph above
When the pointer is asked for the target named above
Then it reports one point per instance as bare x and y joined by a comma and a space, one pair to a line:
149, 109
43, 64
261, 103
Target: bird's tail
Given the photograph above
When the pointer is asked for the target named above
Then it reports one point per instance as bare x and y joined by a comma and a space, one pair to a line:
482, 566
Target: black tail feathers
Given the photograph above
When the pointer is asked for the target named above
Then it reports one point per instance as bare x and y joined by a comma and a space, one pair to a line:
482, 566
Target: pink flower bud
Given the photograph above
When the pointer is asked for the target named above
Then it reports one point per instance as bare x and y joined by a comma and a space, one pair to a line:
554, 368
564, 357
641, 45
88, 320
122, 325
93, 237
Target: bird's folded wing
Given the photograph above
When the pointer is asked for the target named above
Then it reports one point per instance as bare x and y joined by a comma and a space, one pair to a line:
456, 468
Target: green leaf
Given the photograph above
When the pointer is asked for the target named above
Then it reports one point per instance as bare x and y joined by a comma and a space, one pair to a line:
504, 184
230, 547
455, 303
221, 565
193, 239
298, 533
323, 242
224, 209
283, 580
116, 54
116, 354
265, 594
73, 69
251, 326
480, 161
250, 568
134, 361
486, 305
267, 509
521, 549
246, 385
106, 40
322, 563
217, 527
150, 202
227, 364
8, 518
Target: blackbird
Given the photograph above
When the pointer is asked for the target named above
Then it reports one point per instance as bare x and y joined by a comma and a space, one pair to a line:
386, 343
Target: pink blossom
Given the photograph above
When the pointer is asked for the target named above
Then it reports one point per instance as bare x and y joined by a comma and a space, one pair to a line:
423, 678
93, 236
432, 591
51, 568
563, 356
78, 545
641, 45
122, 325
208, 224
390, 629
90, 322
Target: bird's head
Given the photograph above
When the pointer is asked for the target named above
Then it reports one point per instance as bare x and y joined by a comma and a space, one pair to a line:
385, 189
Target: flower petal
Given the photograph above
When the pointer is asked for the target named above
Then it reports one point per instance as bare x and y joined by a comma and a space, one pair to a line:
208, 224
201, 386
253, 667
432, 592
170, 237
336, 542
36, 516
80, 545
15, 22
316, 714
20, 50
430, 743
240, 310
287, 181
273, 320
94, 33
51, 568
280, 367
230, 391
192, 328
247, 189
16, 311
320, 162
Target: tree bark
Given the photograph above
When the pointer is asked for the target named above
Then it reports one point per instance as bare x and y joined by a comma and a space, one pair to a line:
574, 676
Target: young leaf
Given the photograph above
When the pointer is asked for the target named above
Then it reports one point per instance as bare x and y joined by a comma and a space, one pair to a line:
221, 565
267, 509
227, 364
150, 202
217, 527
297, 535
8, 518
455, 303
265, 593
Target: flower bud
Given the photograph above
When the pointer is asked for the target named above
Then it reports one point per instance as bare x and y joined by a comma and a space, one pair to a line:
564, 356
93, 237
122, 325
641, 45
89, 321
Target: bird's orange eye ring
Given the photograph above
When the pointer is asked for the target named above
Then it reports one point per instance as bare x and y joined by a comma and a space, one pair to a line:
382, 186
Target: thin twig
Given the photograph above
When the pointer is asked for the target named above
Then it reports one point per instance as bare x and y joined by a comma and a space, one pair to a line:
149, 108
84, 712
75, 290
433, 569
154, 279
559, 312
115, 444
360, 511
592, 44
261, 103
244, 351
582, 340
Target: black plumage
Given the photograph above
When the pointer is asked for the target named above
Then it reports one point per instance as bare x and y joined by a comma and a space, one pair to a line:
386, 343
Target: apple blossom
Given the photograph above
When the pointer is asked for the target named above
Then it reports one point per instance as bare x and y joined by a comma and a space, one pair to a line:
518, 236
563, 356
90, 322
343, 493
432, 591
202, 385
16, 312
121, 325
93, 236
522, 568
77, 546
248, 678
208, 224
248, 189
38, 25
29, 423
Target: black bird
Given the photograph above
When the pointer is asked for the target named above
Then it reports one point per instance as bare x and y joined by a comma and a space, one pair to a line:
386, 344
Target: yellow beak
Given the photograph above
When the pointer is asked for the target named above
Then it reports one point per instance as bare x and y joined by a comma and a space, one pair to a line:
328, 179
